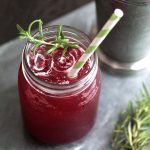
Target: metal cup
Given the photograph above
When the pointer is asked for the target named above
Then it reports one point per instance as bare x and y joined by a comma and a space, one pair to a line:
127, 47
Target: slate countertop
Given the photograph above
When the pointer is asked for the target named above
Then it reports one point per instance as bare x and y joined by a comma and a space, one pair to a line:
115, 93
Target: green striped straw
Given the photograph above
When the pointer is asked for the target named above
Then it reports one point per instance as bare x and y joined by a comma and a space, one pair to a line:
113, 20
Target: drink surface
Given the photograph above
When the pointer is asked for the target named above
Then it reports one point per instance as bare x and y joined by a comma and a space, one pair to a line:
53, 68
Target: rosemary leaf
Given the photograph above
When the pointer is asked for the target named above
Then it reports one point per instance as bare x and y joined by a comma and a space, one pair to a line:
59, 42
35, 47
64, 51
51, 49
72, 45
22, 31
132, 131
41, 29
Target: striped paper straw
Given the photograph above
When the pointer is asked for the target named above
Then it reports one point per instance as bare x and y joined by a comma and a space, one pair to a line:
113, 20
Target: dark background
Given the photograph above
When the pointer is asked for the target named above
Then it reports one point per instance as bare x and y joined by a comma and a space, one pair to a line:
25, 11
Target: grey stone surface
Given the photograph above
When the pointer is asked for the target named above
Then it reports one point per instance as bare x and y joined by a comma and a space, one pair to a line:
115, 93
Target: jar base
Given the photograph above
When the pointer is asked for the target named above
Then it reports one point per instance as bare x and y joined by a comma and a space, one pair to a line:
123, 67
59, 142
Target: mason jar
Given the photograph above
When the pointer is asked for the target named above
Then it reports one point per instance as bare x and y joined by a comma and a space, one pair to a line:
55, 113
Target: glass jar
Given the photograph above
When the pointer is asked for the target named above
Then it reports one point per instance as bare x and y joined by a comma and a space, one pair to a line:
54, 113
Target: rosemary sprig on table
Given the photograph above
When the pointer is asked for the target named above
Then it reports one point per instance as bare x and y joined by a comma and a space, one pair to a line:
59, 42
132, 131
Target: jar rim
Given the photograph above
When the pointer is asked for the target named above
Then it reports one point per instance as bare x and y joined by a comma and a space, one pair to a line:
45, 84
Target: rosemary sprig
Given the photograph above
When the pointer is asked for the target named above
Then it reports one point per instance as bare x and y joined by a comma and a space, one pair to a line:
132, 131
59, 42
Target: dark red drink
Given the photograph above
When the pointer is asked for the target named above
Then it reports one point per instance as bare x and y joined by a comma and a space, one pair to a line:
58, 109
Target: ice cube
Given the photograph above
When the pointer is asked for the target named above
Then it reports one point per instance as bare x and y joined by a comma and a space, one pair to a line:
39, 62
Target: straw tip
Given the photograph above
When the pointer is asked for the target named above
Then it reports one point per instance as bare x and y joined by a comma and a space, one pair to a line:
119, 12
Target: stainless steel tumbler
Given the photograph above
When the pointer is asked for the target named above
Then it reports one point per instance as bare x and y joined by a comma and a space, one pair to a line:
127, 47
